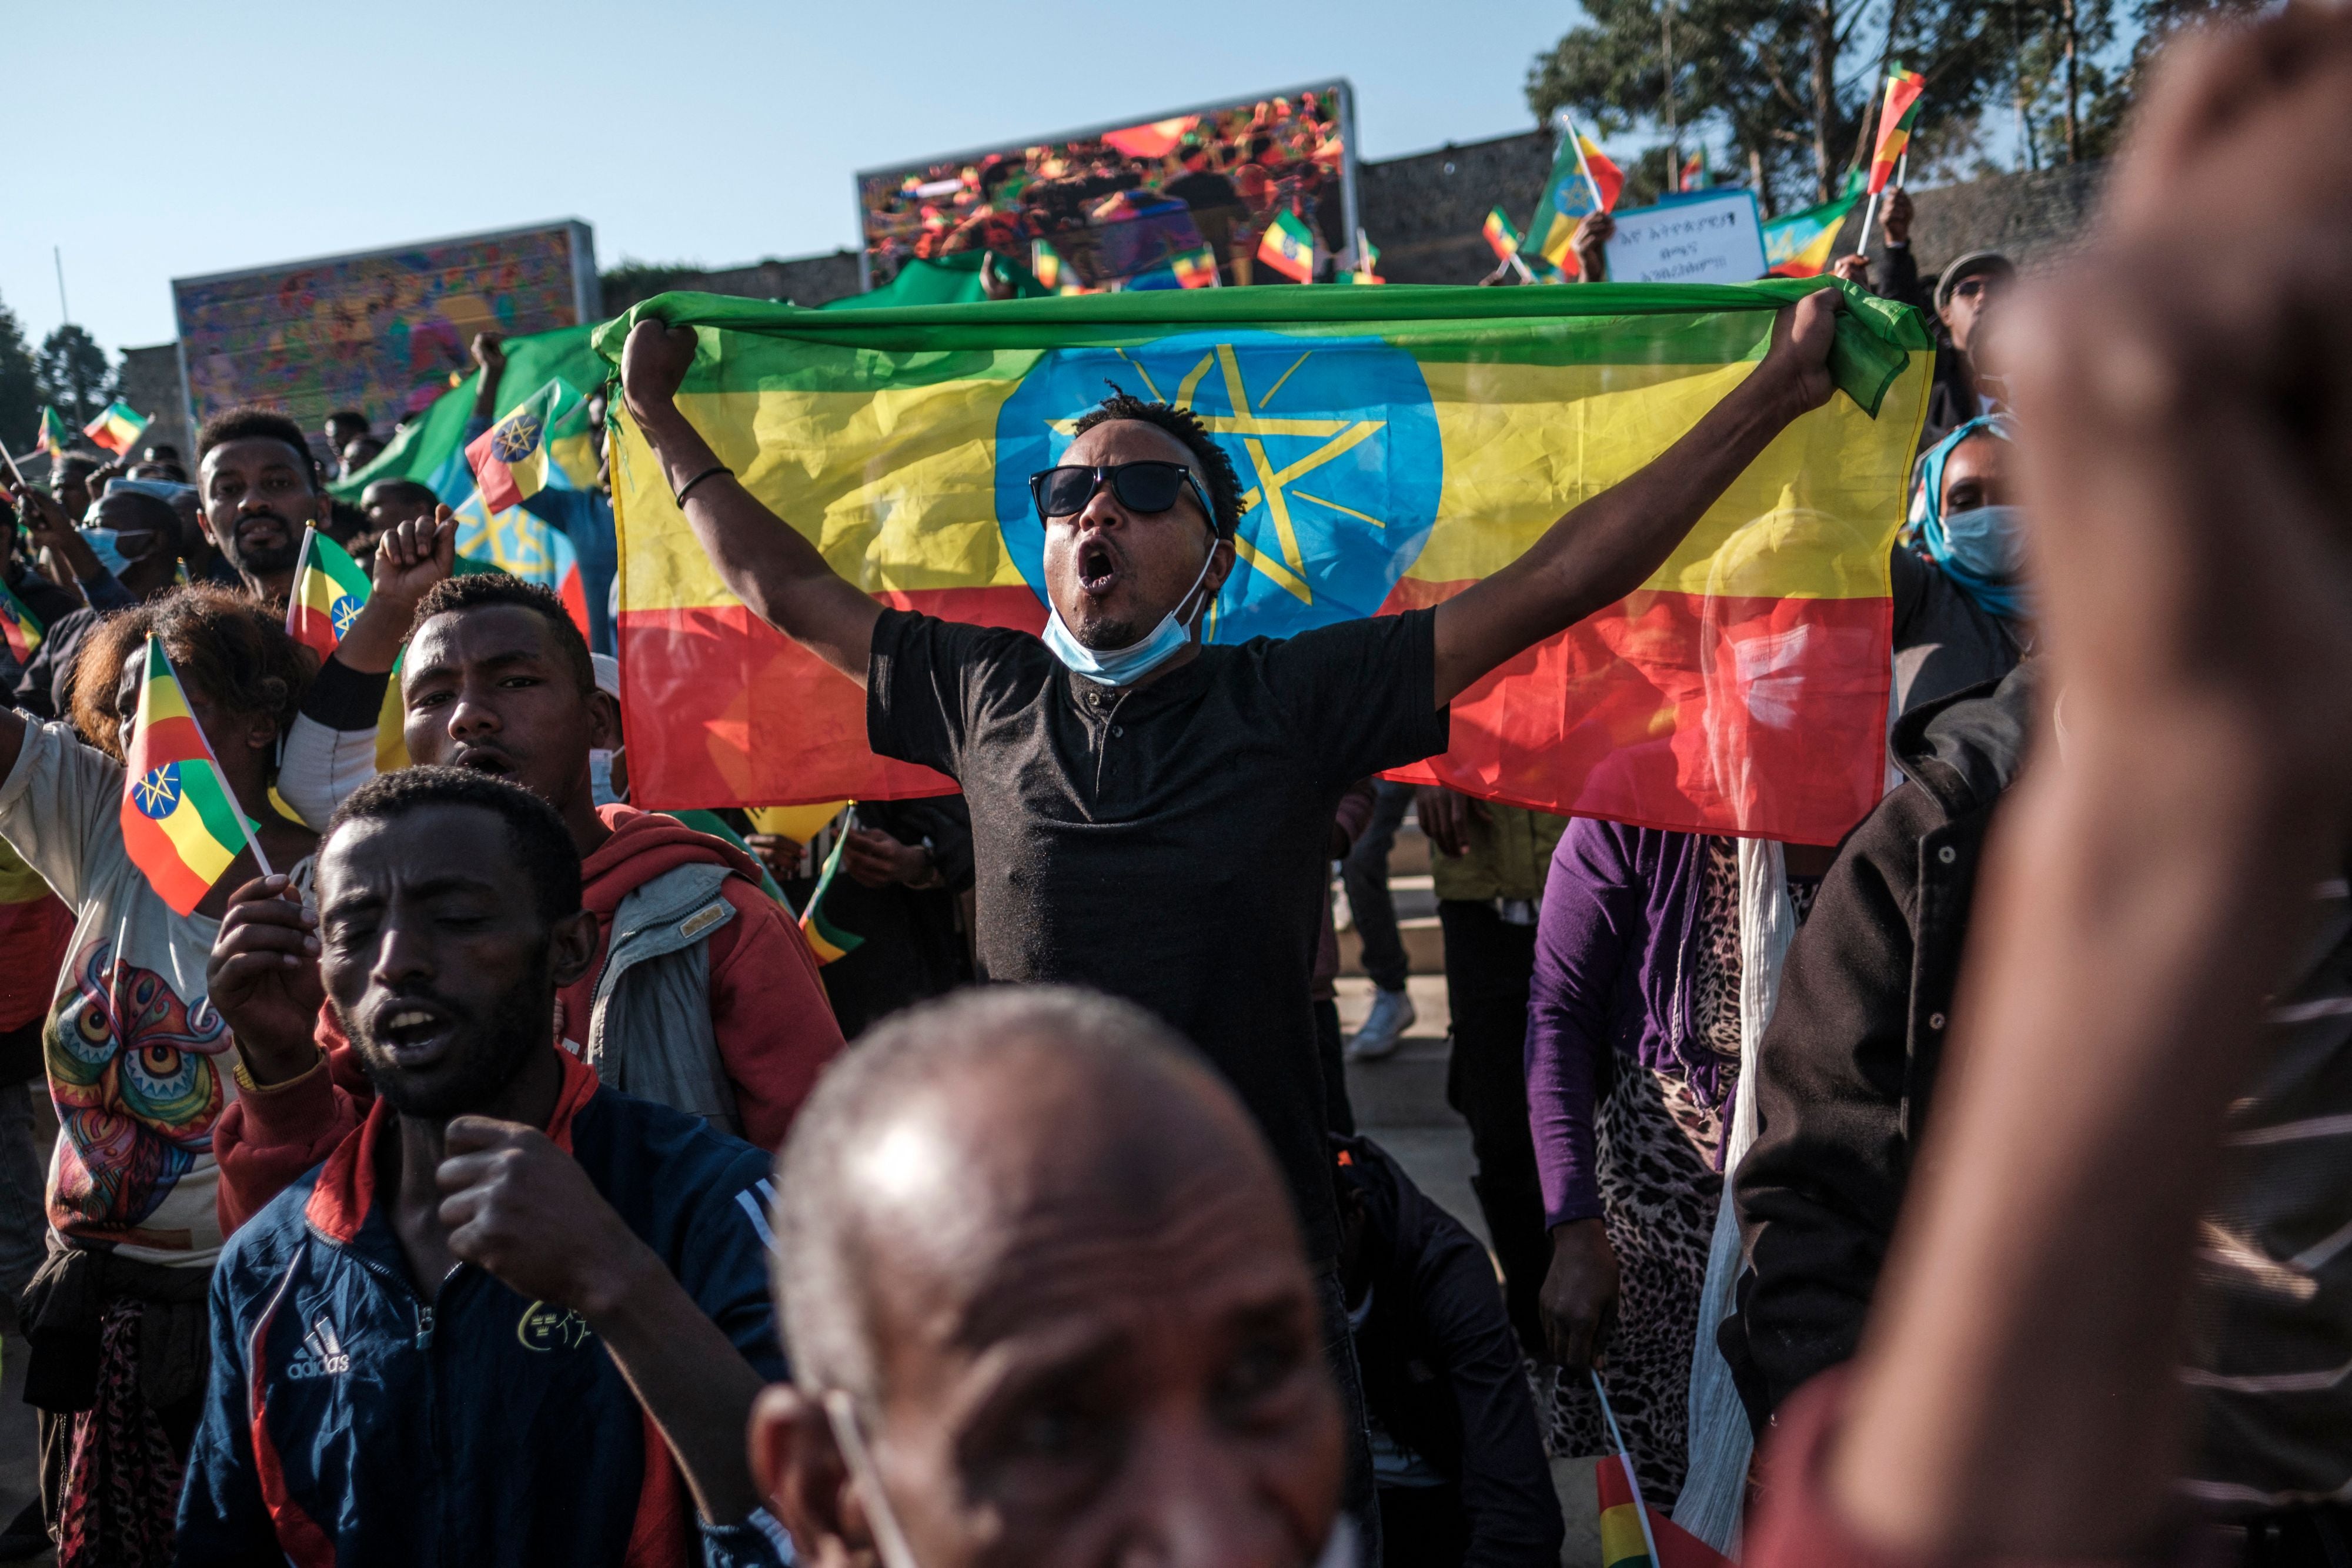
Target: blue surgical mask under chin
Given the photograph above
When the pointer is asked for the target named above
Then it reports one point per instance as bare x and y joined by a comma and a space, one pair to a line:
1124, 666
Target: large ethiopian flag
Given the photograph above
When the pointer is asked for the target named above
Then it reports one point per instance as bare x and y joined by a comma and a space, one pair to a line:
1396, 446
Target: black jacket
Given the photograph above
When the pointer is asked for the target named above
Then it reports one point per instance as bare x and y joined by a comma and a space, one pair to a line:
1441, 1367
1848, 1065
1950, 402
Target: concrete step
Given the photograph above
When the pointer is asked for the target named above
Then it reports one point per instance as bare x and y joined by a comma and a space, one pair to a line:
1425, 947
1410, 897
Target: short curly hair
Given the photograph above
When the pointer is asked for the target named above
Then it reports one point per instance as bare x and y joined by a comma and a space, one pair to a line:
1215, 468
222, 642
541, 842
253, 422
472, 589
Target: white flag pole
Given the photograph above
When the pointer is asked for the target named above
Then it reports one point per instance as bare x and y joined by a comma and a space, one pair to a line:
1870, 213
1581, 166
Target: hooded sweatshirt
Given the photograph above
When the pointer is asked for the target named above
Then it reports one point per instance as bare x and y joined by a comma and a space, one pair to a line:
768, 1009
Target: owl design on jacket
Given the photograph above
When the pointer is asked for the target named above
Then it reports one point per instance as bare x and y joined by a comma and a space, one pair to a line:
136, 1077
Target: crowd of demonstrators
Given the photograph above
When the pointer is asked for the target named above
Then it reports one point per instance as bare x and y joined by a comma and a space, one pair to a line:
1642, 1023
1128, 780
1110, 213
695, 988
702, 996
412, 1199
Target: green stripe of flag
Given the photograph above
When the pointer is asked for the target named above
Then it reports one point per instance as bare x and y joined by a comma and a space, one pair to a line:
201, 787
781, 348
340, 568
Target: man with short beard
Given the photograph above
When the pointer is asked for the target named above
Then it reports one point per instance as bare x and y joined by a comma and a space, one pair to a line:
701, 994
514, 1309
260, 485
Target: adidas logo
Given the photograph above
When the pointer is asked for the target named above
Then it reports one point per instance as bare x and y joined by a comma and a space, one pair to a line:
322, 1355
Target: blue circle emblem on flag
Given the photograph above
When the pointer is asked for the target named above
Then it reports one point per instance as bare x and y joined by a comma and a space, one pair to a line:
342, 613
1334, 440
515, 440
159, 791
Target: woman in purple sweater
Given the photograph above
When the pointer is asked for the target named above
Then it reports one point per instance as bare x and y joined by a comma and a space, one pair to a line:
1632, 1058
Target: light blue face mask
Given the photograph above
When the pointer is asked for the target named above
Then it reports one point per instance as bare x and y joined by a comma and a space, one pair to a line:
107, 545
1985, 540
1981, 550
1125, 666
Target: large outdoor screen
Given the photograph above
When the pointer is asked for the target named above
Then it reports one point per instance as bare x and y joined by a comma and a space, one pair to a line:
1111, 206
381, 332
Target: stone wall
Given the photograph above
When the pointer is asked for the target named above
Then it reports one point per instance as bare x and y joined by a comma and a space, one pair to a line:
802, 279
2034, 218
150, 383
1424, 213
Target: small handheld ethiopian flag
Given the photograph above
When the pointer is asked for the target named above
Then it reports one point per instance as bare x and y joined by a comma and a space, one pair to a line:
1288, 246
1896, 116
19, 626
1501, 235
1195, 268
52, 436
1633, 1534
181, 824
118, 428
827, 941
330, 590
511, 458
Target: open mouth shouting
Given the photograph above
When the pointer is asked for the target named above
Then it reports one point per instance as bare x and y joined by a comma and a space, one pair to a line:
486, 760
412, 1031
1098, 566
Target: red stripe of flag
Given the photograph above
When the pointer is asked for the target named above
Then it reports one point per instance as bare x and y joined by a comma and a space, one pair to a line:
1627, 715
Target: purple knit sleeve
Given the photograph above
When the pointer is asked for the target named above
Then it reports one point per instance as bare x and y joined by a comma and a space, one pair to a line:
1590, 901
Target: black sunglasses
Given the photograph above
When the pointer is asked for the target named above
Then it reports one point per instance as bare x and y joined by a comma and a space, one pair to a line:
1140, 487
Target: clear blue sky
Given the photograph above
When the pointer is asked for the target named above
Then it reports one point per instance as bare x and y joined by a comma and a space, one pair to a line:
683, 131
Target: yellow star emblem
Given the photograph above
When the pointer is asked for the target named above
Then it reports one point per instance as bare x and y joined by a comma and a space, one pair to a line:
1277, 488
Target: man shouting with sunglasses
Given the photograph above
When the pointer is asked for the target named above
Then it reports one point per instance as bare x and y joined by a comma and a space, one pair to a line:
1150, 815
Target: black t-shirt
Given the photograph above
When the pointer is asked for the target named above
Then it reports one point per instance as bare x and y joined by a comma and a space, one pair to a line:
1167, 842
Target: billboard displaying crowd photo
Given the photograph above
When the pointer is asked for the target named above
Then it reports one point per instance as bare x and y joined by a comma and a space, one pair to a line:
1113, 207
382, 331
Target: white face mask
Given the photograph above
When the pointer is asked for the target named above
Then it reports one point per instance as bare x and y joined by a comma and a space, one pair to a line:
600, 776
889, 1541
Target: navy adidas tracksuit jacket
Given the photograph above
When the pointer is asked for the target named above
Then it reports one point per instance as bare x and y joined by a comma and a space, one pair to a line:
351, 1420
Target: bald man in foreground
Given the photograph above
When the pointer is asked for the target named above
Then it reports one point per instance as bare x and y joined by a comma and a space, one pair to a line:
1046, 1305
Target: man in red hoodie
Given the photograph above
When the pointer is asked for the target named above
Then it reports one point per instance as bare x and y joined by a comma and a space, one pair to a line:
703, 996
